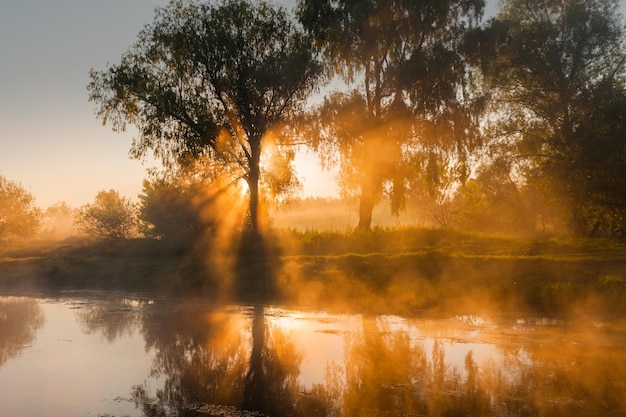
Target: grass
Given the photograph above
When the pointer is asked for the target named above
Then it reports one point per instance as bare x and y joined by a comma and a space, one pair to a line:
400, 271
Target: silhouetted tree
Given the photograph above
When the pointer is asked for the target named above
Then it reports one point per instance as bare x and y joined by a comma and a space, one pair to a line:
209, 80
111, 216
557, 77
411, 76
168, 210
493, 202
19, 217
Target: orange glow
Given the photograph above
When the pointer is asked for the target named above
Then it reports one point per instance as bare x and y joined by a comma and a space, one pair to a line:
243, 187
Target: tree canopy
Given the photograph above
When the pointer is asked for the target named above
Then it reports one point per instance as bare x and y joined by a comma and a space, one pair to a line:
110, 217
19, 217
222, 87
211, 80
558, 82
411, 77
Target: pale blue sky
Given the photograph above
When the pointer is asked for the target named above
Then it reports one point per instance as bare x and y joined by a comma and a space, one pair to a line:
50, 140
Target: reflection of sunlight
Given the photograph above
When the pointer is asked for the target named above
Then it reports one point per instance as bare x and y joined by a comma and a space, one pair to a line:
318, 336
286, 323
345, 363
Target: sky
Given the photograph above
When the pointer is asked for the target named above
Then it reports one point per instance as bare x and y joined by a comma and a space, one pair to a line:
51, 142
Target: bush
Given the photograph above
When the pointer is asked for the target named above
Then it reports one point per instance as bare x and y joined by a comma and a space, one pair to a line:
111, 217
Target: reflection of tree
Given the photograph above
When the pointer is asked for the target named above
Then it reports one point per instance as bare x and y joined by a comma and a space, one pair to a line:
272, 379
256, 389
113, 318
388, 373
20, 318
582, 376
210, 360
378, 369
222, 359
202, 355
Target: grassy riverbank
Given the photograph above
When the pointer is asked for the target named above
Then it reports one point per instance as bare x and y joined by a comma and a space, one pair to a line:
404, 271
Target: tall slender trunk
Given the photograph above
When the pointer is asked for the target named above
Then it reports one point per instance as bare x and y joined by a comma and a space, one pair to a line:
366, 208
369, 190
253, 185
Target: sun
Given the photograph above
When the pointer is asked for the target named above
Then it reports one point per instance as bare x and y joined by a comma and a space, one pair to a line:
243, 188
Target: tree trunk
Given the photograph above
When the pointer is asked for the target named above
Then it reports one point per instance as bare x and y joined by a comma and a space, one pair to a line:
253, 185
366, 207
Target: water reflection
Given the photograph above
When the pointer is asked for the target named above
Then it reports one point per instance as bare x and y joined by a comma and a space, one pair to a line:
20, 318
112, 318
203, 356
248, 359
215, 360
221, 357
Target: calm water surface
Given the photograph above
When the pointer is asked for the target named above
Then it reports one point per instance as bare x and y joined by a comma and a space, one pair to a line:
107, 355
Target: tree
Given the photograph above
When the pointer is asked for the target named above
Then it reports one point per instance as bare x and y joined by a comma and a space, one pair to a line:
168, 210
110, 217
600, 160
412, 94
212, 81
559, 66
493, 202
19, 217
172, 206
369, 150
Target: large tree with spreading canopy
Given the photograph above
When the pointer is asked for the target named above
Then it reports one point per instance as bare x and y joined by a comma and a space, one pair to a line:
211, 81
410, 74
558, 82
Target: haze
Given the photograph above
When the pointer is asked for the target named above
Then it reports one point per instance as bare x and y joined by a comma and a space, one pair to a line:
50, 140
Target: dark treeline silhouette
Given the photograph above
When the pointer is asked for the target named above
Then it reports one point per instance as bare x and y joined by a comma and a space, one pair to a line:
514, 124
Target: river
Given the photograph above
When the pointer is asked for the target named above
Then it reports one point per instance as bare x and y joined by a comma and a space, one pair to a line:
110, 354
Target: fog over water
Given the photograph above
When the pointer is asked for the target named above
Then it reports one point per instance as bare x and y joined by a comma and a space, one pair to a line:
420, 283
101, 354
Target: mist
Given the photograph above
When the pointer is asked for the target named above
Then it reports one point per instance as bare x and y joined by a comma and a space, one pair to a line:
465, 254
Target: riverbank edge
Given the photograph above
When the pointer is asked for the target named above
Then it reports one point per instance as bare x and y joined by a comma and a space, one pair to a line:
468, 277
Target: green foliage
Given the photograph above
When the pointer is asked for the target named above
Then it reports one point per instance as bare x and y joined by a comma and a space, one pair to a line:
557, 79
414, 94
19, 217
169, 209
110, 217
211, 80
493, 203
596, 167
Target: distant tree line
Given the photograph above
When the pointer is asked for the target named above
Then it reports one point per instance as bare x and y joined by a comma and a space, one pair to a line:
513, 124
